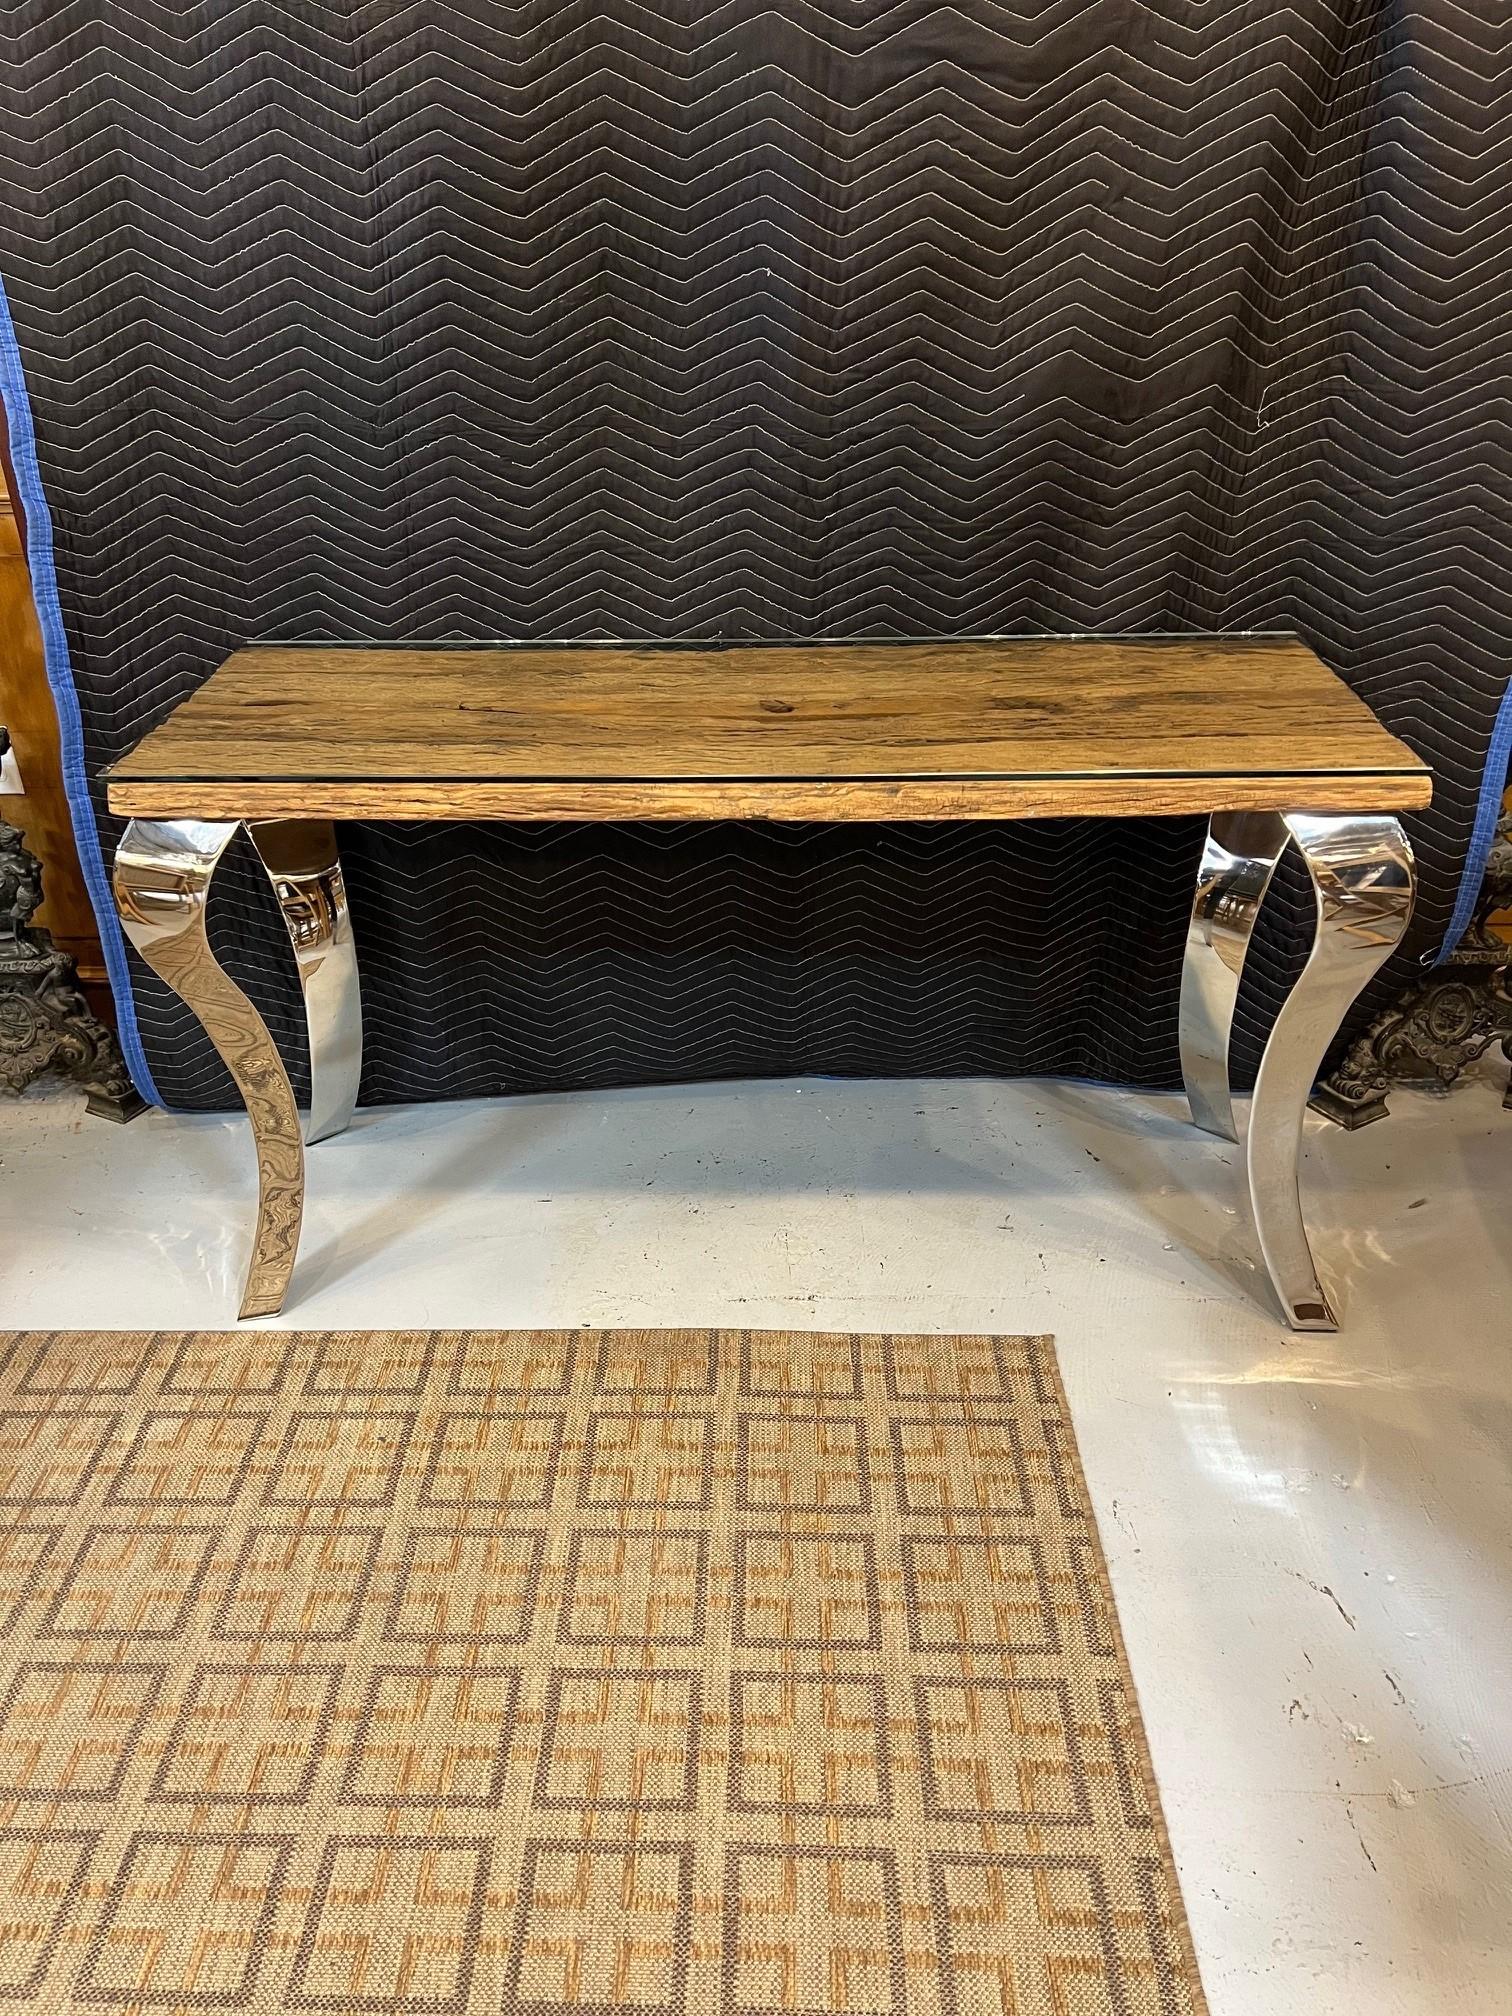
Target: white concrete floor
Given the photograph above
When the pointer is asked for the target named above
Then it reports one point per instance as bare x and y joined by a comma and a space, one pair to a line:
1310, 1538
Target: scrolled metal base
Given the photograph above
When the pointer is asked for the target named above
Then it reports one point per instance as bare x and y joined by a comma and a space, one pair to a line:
45, 1022
1433, 1034
46, 1025
1442, 1025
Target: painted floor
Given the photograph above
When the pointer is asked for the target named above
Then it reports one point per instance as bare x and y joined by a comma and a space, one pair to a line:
1310, 1538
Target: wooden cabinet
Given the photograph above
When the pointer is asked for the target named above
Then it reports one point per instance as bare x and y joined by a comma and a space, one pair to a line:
41, 812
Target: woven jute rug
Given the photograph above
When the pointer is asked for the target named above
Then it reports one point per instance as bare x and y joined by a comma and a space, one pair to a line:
519, 1674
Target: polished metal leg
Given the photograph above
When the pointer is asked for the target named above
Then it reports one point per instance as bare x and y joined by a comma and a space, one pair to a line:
305, 870
1238, 862
163, 871
1362, 874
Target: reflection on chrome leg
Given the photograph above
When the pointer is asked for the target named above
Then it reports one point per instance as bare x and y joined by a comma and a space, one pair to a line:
1238, 862
1362, 875
305, 870
163, 870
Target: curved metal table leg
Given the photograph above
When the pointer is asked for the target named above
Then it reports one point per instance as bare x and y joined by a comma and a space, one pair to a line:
1362, 874
305, 870
1238, 861
162, 880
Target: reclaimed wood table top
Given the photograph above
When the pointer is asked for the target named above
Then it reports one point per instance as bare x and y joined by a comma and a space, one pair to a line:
975, 729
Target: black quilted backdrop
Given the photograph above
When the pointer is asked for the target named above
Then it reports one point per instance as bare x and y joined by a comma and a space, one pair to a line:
452, 319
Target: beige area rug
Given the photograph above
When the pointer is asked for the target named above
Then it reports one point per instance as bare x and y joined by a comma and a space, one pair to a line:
518, 1674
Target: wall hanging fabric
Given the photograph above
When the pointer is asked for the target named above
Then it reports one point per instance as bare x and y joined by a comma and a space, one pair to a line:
826, 319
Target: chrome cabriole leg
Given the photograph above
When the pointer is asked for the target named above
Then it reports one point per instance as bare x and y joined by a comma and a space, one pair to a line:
163, 870
1238, 861
305, 870
1362, 875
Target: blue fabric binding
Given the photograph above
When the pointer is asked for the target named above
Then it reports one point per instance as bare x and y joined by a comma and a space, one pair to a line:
1483, 833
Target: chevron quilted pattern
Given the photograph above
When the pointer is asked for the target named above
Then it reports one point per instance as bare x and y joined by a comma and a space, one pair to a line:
817, 318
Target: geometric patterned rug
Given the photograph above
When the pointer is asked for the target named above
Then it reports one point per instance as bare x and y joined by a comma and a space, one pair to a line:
538, 1673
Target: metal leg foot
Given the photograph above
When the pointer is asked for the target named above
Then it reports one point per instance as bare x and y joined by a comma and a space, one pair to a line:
305, 870
1238, 862
163, 871
1362, 875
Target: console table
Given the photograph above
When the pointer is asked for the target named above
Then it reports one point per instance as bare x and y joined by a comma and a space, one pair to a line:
1253, 730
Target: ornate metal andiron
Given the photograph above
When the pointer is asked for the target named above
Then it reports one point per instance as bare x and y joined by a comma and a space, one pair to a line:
45, 1022
1442, 1024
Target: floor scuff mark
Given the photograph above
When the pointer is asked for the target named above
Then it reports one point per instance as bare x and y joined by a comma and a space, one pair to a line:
1323, 1589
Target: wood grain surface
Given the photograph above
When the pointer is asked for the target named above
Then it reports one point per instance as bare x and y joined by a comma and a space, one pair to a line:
26, 708
1010, 729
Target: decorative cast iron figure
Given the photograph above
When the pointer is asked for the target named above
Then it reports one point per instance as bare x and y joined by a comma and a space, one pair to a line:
1444, 1023
45, 1022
